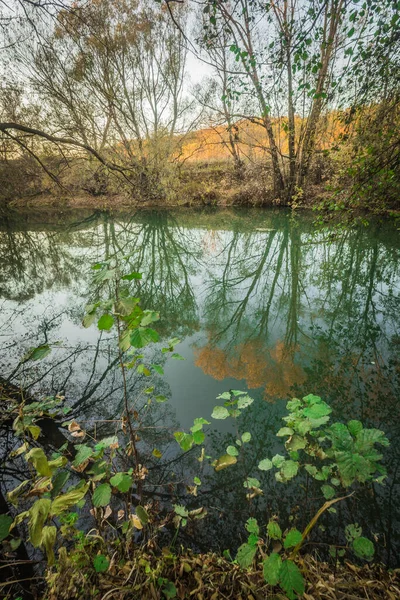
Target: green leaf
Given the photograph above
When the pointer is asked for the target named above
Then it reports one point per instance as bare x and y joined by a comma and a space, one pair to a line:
102, 495
142, 514
132, 276
265, 465
105, 322
364, 548
59, 481
220, 412
101, 563
246, 437
39, 460
354, 427
160, 398
197, 481
224, 396
278, 461
291, 579
38, 353
244, 402
38, 514
232, 451
5, 524
181, 511
84, 452
245, 555
318, 410
292, 538
185, 440
285, 431
225, 461
128, 307
177, 356
49, 535
158, 369
252, 526
198, 437
122, 481
328, 492
108, 442
273, 530
251, 482
89, 319
198, 424
352, 532
68, 499
289, 469
272, 568
141, 337
169, 590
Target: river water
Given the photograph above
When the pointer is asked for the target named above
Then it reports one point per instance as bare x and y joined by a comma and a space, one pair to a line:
262, 301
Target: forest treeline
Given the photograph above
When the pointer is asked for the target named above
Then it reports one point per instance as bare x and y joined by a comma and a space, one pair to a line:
102, 102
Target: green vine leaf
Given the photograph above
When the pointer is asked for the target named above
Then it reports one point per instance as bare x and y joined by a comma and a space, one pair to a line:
272, 568
291, 579
245, 555
102, 495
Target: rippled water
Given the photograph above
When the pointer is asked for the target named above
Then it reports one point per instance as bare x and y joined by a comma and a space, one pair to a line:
262, 301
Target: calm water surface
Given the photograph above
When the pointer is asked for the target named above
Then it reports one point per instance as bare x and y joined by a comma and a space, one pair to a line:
262, 301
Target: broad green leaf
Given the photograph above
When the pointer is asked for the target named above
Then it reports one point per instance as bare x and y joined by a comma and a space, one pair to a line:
198, 424
181, 511
295, 443
102, 495
265, 465
108, 442
143, 336
244, 402
128, 307
150, 316
316, 411
39, 460
158, 369
225, 461
224, 396
272, 568
354, 427
252, 526
292, 538
278, 461
38, 353
49, 535
364, 548
38, 514
169, 590
251, 482
273, 530
328, 492
245, 555
101, 563
68, 499
220, 412
5, 524
185, 440
246, 437
177, 356
59, 481
291, 579
289, 469
83, 454
105, 322
198, 437
237, 393
232, 451
285, 431
34, 430
122, 481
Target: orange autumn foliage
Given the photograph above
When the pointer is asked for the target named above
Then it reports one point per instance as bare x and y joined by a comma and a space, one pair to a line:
273, 369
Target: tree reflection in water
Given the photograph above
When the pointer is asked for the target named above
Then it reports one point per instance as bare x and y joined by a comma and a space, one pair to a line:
256, 296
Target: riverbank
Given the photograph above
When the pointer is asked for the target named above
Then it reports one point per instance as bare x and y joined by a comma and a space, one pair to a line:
157, 574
